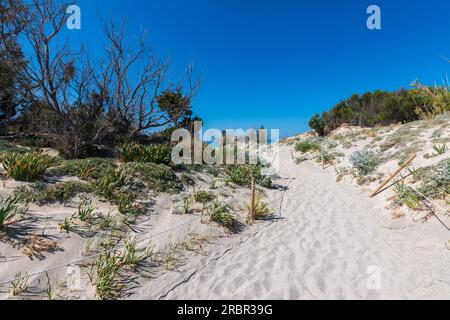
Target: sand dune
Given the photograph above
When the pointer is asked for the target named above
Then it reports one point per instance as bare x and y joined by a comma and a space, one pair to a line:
332, 243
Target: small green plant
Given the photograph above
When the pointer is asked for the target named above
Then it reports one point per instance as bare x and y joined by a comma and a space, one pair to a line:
440, 148
26, 166
110, 182
50, 290
8, 208
261, 209
85, 211
130, 257
325, 157
203, 196
364, 162
125, 203
107, 222
437, 182
213, 184
105, 275
220, 214
242, 175
406, 195
66, 225
19, 284
305, 146
187, 204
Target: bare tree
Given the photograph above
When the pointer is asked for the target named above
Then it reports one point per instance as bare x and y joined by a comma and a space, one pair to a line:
80, 104
135, 81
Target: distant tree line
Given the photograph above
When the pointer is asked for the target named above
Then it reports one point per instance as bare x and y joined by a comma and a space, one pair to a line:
81, 105
371, 109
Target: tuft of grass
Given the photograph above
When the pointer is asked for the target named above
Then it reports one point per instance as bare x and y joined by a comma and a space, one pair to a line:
19, 284
85, 169
61, 192
261, 209
364, 162
440, 148
133, 152
26, 166
8, 209
66, 225
105, 275
305, 146
220, 214
242, 175
85, 211
437, 183
187, 204
157, 177
130, 258
405, 195
203, 196
110, 182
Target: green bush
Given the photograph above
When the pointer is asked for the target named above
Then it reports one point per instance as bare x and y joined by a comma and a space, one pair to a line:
111, 181
438, 182
203, 196
26, 166
242, 175
133, 152
307, 145
364, 162
130, 152
48, 194
220, 214
157, 177
84, 169
371, 109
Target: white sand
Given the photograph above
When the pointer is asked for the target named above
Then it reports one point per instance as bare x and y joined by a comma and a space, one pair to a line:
325, 248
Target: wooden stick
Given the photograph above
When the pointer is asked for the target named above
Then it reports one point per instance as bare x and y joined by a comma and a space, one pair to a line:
392, 176
252, 203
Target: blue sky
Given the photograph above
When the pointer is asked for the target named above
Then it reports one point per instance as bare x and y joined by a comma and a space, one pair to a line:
276, 63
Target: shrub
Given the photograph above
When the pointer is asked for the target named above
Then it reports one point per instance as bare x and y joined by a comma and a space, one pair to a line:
364, 162
326, 157
26, 166
130, 152
439, 181
306, 146
203, 196
61, 192
111, 181
242, 175
157, 154
220, 214
133, 152
84, 169
157, 177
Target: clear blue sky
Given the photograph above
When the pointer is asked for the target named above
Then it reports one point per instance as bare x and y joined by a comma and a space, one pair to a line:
276, 63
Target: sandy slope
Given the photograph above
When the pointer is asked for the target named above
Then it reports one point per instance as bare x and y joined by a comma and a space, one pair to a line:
324, 248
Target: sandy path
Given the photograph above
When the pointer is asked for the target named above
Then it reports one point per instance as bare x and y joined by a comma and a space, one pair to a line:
332, 243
